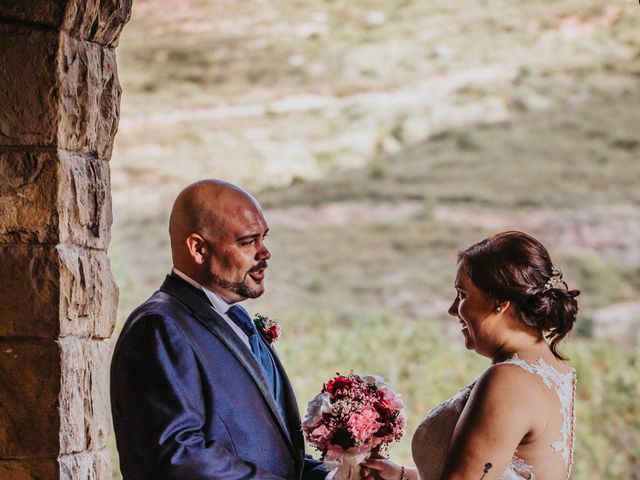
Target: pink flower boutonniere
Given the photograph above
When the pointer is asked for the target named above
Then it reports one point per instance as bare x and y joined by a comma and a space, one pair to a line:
270, 327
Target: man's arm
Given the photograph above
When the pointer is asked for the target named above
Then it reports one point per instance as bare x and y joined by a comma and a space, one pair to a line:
313, 469
158, 405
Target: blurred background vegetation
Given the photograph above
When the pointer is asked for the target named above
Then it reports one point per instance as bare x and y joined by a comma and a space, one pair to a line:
381, 137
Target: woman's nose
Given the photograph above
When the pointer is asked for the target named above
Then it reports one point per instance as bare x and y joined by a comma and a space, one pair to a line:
453, 309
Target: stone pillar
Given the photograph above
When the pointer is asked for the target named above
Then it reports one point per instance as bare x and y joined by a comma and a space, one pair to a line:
59, 107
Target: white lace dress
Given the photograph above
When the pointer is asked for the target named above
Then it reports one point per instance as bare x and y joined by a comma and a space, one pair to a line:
431, 439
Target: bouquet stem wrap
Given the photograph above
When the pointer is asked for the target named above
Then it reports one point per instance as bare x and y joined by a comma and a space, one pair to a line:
349, 468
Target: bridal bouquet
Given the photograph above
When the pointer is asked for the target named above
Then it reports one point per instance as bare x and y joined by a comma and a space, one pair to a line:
351, 418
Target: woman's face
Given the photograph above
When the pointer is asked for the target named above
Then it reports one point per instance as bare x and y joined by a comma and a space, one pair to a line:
474, 310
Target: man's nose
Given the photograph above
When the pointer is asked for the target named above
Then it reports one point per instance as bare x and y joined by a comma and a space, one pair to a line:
263, 252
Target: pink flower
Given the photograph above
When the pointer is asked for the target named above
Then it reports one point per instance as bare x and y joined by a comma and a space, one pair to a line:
321, 433
334, 452
363, 424
401, 421
390, 400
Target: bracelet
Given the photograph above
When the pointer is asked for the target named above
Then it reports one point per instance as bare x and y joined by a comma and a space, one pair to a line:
403, 475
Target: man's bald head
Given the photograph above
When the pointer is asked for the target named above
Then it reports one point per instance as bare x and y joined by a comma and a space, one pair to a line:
201, 207
207, 215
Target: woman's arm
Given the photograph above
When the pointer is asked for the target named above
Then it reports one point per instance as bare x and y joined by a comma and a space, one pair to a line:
501, 411
383, 469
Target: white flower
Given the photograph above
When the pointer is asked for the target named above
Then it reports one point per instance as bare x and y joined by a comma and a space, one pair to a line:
376, 380
316, 407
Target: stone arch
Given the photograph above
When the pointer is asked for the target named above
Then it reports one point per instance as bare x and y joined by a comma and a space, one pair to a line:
59, 108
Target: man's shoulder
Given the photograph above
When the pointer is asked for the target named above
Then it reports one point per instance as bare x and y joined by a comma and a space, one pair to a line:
158, 303
160, 308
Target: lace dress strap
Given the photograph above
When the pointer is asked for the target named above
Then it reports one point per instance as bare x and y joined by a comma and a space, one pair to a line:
564, 385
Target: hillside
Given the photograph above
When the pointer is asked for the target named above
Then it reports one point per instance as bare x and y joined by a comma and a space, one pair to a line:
382, 137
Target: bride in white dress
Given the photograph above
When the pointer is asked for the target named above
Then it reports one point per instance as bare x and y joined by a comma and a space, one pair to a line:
516, 420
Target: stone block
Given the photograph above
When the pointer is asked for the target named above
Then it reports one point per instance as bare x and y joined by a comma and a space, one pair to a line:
55, 397
89, 97
49, 197
86, 466
28, 197
99, 21
82, 466
56, 291
44, 12
28, 94
102, 465
29, 469
29, 399
58, 92
88, 293
29, 292
84, 201
84, 396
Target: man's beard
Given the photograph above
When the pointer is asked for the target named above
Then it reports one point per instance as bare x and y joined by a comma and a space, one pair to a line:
239, 288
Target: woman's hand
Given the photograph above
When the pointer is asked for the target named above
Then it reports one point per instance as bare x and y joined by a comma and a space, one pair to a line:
381, 469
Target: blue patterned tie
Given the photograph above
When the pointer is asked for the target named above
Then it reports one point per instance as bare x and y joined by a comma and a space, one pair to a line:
260, 350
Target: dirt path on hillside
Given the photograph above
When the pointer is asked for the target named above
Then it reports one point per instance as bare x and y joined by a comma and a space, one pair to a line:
612, 231
425, 93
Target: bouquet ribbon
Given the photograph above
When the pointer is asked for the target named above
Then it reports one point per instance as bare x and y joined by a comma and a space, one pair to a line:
349, 468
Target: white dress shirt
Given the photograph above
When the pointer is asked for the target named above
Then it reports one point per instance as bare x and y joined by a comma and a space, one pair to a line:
218, 304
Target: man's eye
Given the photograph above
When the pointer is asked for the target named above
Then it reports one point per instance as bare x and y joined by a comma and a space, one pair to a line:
247, 242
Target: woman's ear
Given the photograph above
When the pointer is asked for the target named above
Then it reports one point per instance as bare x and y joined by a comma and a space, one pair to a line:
502, 306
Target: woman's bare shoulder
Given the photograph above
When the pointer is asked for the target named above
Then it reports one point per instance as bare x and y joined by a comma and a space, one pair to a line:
507, 384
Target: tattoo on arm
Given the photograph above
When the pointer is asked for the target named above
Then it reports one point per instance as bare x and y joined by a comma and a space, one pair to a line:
487, 467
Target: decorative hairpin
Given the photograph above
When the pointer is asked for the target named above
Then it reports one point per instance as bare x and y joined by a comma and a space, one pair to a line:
555, 280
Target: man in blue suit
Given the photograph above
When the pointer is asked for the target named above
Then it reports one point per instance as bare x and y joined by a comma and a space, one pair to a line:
196, 392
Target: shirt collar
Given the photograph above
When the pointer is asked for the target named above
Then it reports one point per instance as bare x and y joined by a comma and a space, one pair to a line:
219, 305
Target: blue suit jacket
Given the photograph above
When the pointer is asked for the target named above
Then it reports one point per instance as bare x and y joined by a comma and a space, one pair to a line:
189, 400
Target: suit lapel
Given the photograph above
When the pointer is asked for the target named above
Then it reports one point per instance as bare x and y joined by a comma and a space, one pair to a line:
292, 411
199, 304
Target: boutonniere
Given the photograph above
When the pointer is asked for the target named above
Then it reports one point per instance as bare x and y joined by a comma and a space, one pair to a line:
270, 327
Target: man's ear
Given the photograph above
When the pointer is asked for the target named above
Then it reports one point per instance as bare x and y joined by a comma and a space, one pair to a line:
197, 248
